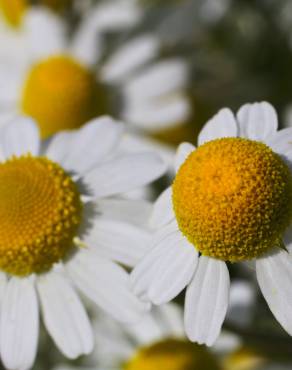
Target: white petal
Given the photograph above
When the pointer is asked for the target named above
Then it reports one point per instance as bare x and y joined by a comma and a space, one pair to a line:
162, 209
136, 212
64, 315
207, 301
274, 275
167, 76
45, 32
92, 143
144, 274
125, 173
223, 124
157, 115
20, 136
281, 142
19, 326
117, 240
173, 271
257, 121
130, 56
114, 15
182, 153
106, 284
60, 145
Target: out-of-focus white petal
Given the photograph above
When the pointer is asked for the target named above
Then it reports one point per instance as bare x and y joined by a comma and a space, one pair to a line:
158, 80
129, 57
157, 115
45, 32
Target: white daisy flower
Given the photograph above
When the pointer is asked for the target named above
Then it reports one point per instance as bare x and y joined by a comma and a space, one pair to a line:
62, 227
157, 342
62, 82
231, 201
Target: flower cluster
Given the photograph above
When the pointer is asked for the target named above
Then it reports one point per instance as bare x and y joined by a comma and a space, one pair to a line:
88, 246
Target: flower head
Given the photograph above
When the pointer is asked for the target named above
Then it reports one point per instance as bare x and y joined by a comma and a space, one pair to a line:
63, 82
231, 200
61, 230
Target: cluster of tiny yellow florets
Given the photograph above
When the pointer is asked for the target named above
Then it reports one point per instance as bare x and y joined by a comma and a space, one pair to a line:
61, 94
13, 10
172, 354
40, 211
232, 198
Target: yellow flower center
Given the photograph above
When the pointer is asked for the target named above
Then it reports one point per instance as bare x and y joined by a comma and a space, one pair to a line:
172, 354
61, 94
13, 10
40, 211
232, 199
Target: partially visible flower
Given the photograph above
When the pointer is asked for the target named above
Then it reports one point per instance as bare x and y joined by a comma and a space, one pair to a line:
63, 82
157, 342
63, 224
231, 201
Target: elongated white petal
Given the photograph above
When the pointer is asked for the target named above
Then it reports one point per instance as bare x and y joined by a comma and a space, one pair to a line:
60, 146
106, 284
64, 315
114, 15
88, 146
223, 124
118, 240
145, 273
45, 32
20, 136
125, 173
274, 275
182, 153
136, 212
207, 301
167, 76
19, 326
173, 271
130, 56
257, 121
157, 115
162, 209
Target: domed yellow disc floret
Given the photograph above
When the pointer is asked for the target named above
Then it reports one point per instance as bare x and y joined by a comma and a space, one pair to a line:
40, 211
172, 354
61, 94
13, 10
232, 198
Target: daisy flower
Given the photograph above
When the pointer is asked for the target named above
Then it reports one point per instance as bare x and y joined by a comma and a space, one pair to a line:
62, 82
157, 342
230, 201
63, 223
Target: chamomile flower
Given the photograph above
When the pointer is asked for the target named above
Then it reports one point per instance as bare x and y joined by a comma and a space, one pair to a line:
63, 225
64, 82
231, 201
157, 342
